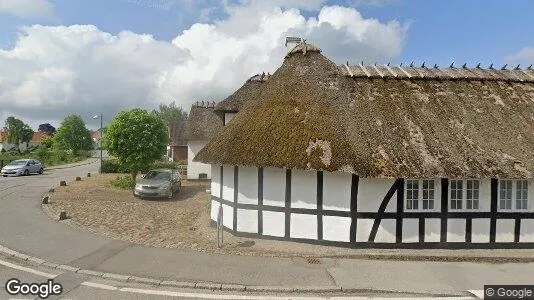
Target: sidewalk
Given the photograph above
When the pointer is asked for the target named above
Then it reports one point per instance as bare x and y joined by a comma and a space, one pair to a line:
28, 234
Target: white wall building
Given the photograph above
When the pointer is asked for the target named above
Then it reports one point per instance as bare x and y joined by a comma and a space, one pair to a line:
202, 125
386, 157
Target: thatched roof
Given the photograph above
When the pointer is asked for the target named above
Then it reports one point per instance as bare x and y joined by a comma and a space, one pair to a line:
248, 91
202, 122
312, 114
177, 133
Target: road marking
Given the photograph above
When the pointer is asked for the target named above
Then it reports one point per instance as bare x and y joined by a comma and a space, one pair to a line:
226, 296
477, 293
100, 286
28, 270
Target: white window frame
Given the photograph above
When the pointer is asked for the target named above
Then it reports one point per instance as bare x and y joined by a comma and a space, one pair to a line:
513, 198
464, 191
420, 200
473, 200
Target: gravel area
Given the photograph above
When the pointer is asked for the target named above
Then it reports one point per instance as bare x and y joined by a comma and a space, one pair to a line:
183, 222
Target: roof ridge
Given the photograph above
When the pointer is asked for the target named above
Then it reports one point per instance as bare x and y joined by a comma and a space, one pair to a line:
204, 104
516, 74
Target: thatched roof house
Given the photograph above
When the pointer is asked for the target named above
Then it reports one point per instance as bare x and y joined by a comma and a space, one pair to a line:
248, 91
177, 133
378, 156
202, 123
383, 121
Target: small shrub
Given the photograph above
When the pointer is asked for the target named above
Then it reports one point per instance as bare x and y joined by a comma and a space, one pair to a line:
42, 153
123, 182
164, 165
110, 166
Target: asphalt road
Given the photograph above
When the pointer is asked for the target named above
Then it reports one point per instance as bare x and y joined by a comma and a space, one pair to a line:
24, 227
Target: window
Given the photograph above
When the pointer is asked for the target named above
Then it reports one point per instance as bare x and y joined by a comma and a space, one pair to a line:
420, 190
412, 194
456, 194
521, 194
510, 190
428, 194
505, 194
472, 193
464, 194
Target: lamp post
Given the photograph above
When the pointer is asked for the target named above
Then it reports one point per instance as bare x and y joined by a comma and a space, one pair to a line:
101, 117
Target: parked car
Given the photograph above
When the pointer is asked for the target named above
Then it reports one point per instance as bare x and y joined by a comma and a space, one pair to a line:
158, 183
22, 167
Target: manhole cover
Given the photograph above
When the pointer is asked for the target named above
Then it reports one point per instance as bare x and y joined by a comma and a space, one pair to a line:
313, 261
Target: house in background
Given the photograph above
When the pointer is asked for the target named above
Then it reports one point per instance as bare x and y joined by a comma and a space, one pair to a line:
36, 138
177, 149
380, 156
229, 107
95, 136
202, 125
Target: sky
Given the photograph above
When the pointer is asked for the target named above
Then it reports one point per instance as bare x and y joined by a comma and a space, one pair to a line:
87, 57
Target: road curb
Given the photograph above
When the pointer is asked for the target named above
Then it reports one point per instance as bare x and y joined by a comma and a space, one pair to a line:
72, 165
211, 286
201, 285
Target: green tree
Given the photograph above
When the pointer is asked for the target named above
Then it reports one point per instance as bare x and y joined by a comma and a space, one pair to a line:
47, 141
170, 113
17, 132
137, 138
26, 134
73, 135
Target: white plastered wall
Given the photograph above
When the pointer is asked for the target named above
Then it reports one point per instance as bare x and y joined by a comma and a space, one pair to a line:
196, 168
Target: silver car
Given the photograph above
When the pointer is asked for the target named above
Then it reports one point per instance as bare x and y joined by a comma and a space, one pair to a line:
22, 167
158, 183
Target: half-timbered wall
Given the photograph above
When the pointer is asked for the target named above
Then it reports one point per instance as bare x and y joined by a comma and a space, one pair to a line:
344, 210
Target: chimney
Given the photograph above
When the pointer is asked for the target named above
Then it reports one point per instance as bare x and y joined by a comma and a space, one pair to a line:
291, 42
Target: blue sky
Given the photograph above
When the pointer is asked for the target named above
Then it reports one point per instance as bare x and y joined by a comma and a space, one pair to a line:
84, 56
440, 31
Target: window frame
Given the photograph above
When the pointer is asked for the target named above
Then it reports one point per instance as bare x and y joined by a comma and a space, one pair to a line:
420, 200
513, 198
464, 191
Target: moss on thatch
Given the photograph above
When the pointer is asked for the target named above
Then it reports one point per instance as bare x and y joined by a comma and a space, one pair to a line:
202, 123
311, 115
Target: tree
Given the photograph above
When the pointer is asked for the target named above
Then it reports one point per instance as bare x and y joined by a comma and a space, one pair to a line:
47, 141
170, 113
137, 138
26, 134
17, 132
73, 135
47, 129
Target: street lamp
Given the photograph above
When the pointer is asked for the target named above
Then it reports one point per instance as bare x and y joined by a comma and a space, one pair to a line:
101, 117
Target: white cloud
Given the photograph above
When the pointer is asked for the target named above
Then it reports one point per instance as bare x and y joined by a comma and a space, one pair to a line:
53, 71
524, 56
27, 8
